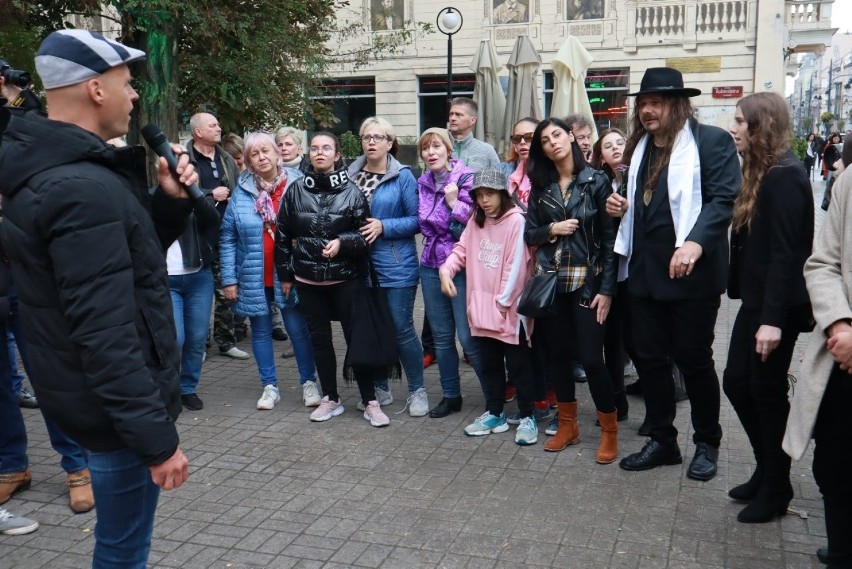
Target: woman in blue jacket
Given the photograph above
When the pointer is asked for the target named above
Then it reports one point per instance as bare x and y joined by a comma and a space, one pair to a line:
391, 192
249, 280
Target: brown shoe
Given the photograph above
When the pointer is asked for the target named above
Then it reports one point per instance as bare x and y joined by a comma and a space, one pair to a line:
567, 433
608, 448
14, 482
81, 499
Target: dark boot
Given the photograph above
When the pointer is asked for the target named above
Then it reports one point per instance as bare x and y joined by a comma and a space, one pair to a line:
567, 433
767, 505
838, 528
747, 491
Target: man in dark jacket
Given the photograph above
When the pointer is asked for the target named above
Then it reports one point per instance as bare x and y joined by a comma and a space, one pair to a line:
683, 180
86, 242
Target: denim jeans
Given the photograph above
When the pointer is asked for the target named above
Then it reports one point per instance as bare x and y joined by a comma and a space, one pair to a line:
448, 318
73, 458
300, 337
17, 378
401, 304
127, 500
192, 300
13, 435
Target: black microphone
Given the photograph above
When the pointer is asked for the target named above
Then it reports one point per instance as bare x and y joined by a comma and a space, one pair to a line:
160, 145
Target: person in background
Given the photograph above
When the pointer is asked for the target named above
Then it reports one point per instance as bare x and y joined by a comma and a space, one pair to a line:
289, 140
473, 153
771, 237
391, 193
581, 127
321, 252
820, 405
810, 153
831, 157
496, 262
234, 145
249, 281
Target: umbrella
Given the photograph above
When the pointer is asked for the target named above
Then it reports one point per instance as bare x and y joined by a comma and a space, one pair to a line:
569, 81
522, 100
488, 95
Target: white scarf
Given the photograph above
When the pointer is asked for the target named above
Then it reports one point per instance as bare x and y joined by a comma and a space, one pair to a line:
684, 188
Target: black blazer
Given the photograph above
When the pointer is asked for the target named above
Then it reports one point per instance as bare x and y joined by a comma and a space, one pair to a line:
654, 229
767, 259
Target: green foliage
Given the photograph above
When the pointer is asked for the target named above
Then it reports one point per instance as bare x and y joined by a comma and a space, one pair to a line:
799, 147
807, 124
826, 117
350, 145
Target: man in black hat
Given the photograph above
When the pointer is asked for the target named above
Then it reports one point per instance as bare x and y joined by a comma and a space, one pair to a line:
673, 238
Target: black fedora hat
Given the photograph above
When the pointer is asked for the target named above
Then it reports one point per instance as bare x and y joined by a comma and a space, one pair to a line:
664, 80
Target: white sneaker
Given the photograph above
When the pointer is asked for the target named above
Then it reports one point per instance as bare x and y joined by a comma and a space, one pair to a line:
235, 353
311, 394
384, 398
327, 409
269, 398
375, 415
418, 403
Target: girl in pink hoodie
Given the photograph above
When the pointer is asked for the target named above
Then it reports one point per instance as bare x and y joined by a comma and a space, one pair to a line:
493, 254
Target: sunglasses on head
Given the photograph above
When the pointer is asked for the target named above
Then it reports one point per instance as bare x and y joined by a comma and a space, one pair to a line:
517, 138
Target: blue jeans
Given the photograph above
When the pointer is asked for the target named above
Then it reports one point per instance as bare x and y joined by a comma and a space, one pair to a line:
73, 457
401, 304
17, 378
448, 318
127, 500
192, 300
13, 435
300, 337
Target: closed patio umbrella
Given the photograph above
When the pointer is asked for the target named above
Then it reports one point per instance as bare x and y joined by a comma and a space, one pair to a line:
488, 95
522, 100
569, 81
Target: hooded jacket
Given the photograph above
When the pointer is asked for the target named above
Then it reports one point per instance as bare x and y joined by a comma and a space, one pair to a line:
317, 209
87, 246
496, 262
435, 217
394, 202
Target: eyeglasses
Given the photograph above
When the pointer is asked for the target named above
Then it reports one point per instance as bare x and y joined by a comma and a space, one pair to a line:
373, 138
517, 138
322, 149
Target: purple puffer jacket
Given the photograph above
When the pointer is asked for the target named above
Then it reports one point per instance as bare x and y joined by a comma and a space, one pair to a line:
435, 217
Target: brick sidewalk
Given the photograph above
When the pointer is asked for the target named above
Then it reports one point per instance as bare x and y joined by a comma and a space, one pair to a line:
271, 489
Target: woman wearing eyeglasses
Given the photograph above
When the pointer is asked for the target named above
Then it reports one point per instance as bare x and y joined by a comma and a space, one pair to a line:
391, 193
320, 250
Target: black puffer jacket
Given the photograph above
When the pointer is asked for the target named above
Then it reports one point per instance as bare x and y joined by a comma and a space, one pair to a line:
86, 243
592, 245
315, 210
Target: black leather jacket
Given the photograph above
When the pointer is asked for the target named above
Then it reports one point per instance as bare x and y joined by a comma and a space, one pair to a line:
315, 210
593, 243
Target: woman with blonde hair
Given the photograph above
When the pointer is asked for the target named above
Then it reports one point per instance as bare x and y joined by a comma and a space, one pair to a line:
289, 141
773, 228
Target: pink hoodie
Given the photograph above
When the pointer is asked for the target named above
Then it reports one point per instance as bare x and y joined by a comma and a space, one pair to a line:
497, 263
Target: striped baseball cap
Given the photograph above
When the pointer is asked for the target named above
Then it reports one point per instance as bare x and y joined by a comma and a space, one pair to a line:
68, 57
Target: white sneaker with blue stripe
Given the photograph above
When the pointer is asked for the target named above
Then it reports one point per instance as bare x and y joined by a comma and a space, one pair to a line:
486, 424
527, 433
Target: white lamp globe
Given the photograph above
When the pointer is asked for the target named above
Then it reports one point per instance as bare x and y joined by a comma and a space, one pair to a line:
451, 19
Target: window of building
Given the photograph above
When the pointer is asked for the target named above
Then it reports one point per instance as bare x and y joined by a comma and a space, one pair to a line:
607, 91
432, 95
352, 100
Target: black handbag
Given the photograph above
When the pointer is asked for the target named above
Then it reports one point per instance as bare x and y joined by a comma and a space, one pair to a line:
539, 294
372, 342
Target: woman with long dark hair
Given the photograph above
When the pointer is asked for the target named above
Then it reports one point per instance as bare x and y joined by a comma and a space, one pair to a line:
773, 228
567, 221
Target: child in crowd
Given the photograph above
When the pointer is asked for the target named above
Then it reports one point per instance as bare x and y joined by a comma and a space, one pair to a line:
497, 261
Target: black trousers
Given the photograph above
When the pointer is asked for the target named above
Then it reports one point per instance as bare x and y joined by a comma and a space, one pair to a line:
321, 304
616, 338
758, 392
833, 464
577, 326
498, 358
681, 331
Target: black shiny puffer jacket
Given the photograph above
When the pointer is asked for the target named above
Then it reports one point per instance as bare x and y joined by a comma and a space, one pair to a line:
315, 210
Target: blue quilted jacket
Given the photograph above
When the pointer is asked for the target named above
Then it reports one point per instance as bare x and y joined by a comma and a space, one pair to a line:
241, 249
394, 202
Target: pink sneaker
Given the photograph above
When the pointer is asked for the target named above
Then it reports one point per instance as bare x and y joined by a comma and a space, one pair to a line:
326, 410
373, 413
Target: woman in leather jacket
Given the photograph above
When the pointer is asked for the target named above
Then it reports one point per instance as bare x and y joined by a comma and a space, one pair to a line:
320, 250
567, 221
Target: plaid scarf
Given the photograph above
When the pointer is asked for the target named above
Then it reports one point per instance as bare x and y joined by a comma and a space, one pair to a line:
263, 203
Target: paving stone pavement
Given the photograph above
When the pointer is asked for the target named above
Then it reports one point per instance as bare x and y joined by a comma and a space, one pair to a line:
271, 489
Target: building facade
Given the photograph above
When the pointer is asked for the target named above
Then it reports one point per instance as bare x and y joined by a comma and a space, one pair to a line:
726, 48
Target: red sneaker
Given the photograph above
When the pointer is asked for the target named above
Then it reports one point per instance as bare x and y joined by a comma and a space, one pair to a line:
510, 393
428, 360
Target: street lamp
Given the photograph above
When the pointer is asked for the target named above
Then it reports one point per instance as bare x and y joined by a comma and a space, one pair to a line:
449, 22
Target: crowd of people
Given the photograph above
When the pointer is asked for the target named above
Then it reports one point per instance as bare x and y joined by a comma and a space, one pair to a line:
573, 253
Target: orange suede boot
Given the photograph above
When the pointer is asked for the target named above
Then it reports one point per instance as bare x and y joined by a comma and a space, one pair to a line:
14, 482
81, 499
567, 433
608, 448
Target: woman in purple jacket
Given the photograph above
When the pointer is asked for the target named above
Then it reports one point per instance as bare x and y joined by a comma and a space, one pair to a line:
445, 207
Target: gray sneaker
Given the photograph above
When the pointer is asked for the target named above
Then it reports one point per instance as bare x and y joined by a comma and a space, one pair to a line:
10, 524
383, 397
418, 403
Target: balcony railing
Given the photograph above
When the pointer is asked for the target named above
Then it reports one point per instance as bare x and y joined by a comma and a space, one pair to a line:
805, 12
701, 18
